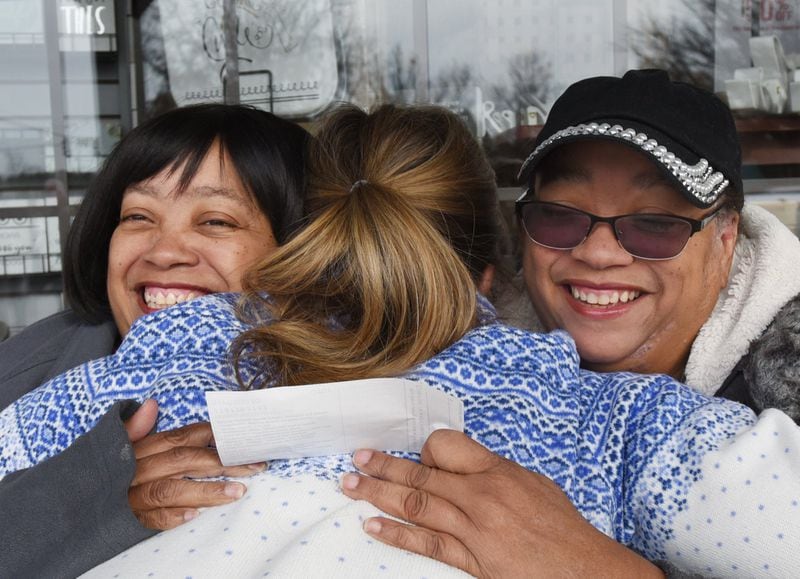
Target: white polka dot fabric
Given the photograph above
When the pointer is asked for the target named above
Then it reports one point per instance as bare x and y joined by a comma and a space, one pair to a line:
283, 527
745, 507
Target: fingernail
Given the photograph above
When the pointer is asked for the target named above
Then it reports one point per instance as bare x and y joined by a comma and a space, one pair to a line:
362, 457
189, 515
234, 490
258, 467
373, 526
350, 481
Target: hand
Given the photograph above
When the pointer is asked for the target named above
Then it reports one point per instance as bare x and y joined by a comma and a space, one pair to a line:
484, 514
160, 496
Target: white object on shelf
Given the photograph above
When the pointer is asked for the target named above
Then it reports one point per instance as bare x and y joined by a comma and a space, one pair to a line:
774, 95
767, 53
743, 94
755, 73
794, 97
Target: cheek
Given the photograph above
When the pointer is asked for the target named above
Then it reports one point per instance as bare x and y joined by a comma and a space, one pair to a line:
121, 257
255, 249
700, 279
686, 298
541, 289
542, 265
119, 261
233, 260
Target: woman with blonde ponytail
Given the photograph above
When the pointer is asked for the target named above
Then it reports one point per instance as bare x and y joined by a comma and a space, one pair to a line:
400, 235
402, 225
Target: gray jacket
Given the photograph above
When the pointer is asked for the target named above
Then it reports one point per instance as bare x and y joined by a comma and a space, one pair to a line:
69, 513
771, 368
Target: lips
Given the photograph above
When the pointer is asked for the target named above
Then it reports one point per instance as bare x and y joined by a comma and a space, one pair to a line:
160, 297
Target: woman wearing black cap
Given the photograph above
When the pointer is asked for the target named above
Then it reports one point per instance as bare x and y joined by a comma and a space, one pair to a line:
639, 245
707, 290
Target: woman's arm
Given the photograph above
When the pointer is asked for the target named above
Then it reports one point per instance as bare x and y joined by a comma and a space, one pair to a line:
70, 513
115, 486
484, 514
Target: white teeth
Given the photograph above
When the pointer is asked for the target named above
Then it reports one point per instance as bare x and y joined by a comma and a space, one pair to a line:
605, 298
159, 301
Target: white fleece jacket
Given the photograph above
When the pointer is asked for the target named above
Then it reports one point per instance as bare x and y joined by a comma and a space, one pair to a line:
765, 275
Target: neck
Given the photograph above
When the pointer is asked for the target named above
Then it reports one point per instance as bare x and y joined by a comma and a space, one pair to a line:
672, 365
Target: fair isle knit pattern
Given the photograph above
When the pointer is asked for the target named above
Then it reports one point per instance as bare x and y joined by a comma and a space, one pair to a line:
173, 355
598, 436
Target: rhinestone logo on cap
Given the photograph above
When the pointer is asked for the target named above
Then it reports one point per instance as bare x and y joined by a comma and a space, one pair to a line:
700, 179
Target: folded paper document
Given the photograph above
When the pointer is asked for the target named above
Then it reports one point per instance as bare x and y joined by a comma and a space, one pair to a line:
334, 418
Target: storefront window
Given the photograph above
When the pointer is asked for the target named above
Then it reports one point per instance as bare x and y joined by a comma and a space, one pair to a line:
66, 106
84, 71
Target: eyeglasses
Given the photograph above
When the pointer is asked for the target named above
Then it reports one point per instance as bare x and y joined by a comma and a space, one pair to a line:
643, 235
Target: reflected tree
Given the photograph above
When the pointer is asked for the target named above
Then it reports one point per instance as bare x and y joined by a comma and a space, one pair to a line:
685, 48
368, 74
157, 96
401, 76
529, 83
452, 83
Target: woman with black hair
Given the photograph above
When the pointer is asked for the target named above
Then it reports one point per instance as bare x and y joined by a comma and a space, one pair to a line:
181, 207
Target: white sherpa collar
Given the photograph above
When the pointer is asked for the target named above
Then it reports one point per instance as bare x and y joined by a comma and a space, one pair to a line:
765, 275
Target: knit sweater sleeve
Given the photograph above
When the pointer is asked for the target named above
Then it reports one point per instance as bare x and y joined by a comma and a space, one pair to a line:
720, 495
173, 356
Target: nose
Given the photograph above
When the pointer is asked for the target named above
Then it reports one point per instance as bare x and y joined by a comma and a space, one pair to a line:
170, 249
601, 249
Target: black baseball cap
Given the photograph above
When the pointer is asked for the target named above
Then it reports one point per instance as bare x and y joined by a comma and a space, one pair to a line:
688, 132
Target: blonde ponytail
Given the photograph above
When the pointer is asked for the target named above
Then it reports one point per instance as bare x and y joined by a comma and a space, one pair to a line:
402, 219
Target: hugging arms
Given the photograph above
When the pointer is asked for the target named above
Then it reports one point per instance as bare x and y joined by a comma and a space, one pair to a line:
546, 367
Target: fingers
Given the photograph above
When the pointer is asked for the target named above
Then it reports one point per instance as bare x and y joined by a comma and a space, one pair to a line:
163, 519
454, 451
198, 434
143, 420
440, 546
416, 506
185, 461
182, 495
401, 471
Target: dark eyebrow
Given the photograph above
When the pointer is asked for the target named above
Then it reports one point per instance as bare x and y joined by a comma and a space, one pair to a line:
551, 172
142, 189
201, 191
206, 191
654, 178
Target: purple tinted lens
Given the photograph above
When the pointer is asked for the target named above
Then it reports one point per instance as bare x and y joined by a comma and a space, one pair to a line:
554, 226
653, 236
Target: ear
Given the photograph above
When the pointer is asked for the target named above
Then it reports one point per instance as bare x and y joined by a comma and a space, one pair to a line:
728, 230
486, 280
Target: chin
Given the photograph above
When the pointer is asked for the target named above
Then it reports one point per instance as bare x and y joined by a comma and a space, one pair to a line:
601, 359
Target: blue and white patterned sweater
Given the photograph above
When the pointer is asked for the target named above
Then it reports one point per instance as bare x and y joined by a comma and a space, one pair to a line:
631, 451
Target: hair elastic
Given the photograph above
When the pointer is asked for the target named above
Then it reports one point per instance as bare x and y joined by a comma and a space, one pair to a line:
358, 183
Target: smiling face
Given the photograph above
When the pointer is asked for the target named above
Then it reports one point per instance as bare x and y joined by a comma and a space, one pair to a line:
624, 313
171, 246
